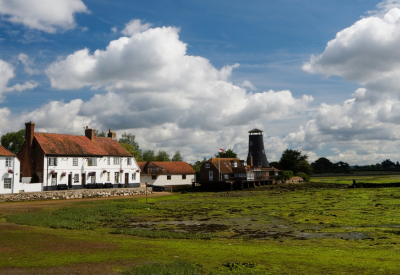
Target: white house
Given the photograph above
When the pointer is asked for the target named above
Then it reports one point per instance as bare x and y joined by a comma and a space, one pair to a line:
75, 162
166, 173
9, 172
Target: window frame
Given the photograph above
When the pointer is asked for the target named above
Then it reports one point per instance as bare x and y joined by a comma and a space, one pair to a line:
7, 185
108, 176
207, 166
9, 162
129, 161
169, 177
52, 161
183, 177
76, 178
108, 161
117, 160
92, 162
133, 176
153, 177
75, 162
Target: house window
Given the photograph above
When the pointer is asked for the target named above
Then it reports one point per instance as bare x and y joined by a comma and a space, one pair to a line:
108, 161
93, 179
53, 161
168, 177
129, 161
76, 178
210, 176
7, 183
153, 177
8, 162
153, 169
133, 176
108, 176
207, 165
226, 176
116, 160
116, 176
183, 177
92, 161
75, 161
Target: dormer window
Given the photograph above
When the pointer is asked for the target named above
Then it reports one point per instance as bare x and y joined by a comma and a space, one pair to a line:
207, 165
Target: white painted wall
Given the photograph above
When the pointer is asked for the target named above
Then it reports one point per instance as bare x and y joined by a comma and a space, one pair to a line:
15, 166
65, 164
162, 180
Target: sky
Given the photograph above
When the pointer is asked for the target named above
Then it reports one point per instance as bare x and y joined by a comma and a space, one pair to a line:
317, 76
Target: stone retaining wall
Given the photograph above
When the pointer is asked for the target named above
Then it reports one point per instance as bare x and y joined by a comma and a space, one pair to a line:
74, 194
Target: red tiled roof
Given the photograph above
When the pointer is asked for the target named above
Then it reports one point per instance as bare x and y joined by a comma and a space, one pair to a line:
111, 146
170, 167
5, 152
57, 144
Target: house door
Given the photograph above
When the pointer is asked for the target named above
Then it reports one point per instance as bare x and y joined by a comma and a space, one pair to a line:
126, 179
69, 180
83, 178
54, 179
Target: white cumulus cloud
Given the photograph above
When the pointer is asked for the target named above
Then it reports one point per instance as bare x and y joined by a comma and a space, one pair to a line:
43, 15
135, 26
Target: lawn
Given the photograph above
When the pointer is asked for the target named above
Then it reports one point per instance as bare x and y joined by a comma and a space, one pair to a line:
295, 229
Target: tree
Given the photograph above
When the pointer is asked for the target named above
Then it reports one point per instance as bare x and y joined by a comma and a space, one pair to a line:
177, 156
322, 165
162, 156
387, 164
304, 176
129, 139
304, 167
136, 153
13, 140
196, 167
98, 134
148, 155
274, 164
290, 159
228, 154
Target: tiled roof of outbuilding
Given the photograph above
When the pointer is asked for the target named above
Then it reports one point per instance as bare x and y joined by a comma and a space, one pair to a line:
57, 144
170, 167
5, 152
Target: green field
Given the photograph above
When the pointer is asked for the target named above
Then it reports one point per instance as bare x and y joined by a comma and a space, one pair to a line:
294, 229
363, 179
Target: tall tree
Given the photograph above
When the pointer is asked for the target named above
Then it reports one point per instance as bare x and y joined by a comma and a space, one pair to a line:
304, 167
148, 155
322, 165
136, 153
13, 140
386, 164
162, 156
290, 160
177, 156
130, 139
228, 154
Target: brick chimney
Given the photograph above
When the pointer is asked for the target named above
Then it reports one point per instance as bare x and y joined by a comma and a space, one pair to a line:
89, 133
111, 134
29, 132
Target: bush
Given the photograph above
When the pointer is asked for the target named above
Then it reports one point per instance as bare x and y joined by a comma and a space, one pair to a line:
304, 176
35, 179
285, 175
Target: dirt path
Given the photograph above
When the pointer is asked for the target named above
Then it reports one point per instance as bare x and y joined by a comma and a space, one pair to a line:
13, 207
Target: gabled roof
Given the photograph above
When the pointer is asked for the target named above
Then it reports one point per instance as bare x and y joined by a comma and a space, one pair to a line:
170, 167
225, 167
5, 152
58, 144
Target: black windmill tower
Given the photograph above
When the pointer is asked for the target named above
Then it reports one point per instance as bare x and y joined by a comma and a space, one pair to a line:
256, 156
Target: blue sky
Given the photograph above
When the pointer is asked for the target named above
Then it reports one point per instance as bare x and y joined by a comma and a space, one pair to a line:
271, 40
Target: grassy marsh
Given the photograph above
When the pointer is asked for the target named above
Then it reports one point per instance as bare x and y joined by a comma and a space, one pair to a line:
299, 229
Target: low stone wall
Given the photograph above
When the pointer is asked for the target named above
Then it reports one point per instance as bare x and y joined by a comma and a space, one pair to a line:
74, 194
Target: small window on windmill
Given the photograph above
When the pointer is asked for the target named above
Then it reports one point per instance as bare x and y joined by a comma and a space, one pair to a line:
251, 143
